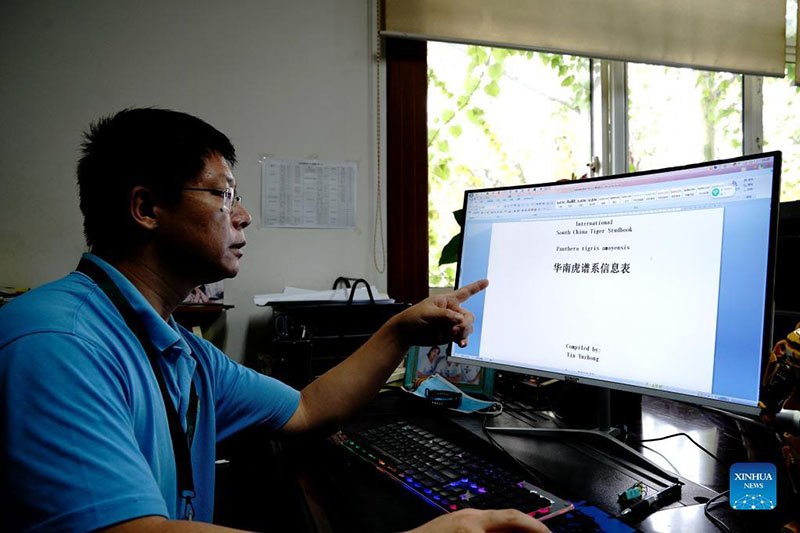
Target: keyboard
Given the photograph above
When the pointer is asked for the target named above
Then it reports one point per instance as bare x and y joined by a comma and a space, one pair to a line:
448, 476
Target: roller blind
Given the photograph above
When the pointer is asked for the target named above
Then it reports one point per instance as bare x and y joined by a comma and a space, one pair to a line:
744, 36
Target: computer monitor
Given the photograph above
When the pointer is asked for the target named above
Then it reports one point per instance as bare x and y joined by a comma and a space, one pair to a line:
656, 282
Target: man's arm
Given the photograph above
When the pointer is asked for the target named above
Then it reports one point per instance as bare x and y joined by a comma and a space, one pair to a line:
480, 521
336, 395
159, 524
345, 388
465, 520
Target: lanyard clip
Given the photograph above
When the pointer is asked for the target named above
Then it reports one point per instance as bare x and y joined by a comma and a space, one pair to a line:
188, 495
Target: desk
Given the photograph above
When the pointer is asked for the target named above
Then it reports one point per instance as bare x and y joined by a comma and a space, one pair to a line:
345, 495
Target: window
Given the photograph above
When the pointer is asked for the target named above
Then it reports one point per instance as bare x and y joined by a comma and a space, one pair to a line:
499, 117
781, 116
504, 117
678, 116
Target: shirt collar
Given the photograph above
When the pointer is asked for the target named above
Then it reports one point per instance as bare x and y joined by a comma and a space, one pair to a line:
163, 335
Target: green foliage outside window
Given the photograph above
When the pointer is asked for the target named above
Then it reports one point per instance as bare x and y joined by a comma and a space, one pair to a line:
678, 116
782, 129
474, 137
500, 117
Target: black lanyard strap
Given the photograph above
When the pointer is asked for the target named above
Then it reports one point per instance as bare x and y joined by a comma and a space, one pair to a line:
181, 442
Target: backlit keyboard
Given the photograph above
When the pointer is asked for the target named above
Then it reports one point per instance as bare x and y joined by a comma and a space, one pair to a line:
448, 476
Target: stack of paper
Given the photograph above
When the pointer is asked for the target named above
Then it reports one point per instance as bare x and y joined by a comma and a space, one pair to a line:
294, 294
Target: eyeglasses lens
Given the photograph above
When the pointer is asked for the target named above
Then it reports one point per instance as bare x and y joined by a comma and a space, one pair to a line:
231, 198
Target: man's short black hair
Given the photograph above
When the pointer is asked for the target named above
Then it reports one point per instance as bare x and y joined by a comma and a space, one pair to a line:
157, 148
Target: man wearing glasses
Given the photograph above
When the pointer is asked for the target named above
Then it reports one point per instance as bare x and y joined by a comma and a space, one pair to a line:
109, 411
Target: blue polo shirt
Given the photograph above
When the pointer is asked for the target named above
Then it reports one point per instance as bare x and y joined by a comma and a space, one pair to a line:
84, 439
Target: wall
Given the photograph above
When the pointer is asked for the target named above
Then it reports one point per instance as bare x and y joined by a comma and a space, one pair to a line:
287, 79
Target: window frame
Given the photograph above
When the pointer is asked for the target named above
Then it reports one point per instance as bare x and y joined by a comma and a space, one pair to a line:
407, 164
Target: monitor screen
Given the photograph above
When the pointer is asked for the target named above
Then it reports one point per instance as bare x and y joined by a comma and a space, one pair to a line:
657, 282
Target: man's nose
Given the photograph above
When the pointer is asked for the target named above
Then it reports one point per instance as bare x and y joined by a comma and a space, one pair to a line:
240, 217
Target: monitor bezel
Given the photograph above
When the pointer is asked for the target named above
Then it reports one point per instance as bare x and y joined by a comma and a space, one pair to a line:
769, 308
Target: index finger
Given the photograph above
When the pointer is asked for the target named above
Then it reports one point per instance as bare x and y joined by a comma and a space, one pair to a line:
465, 292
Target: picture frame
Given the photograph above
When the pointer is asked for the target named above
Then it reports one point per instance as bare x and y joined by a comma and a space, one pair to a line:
208, 293
422, 361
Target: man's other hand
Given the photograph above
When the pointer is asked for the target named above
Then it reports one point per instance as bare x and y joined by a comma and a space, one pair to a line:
476, 521
439, 319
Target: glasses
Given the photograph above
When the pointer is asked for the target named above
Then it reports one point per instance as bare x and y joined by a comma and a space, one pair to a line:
229, 197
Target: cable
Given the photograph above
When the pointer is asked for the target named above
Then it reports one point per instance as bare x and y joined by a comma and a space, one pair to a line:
707, 510
378, 209
499, 446
678, 435
672, 466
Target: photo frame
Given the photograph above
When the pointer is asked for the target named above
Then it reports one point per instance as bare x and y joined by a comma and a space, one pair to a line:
208, 293
422, 361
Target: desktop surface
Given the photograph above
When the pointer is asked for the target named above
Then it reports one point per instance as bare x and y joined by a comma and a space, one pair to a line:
346, 494
261, 490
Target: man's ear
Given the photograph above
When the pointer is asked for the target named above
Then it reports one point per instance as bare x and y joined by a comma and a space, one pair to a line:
142, 207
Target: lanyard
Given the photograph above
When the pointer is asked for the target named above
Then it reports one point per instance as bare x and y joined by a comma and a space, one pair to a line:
181, 441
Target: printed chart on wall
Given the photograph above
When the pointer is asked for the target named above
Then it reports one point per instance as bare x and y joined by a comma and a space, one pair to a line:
308, 194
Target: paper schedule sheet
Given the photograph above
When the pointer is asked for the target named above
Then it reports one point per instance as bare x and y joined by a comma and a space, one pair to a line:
308, 194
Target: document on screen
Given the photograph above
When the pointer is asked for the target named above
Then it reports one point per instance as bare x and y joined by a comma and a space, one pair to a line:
632, 296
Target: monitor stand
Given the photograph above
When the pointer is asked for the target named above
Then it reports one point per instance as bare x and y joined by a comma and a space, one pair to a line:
604, 433
604, 414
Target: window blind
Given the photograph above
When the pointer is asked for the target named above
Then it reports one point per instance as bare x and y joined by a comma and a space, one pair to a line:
746, 36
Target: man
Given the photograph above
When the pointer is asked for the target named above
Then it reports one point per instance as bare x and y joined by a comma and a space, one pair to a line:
110, 412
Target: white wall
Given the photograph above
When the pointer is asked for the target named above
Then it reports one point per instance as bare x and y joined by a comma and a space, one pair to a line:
287, 79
